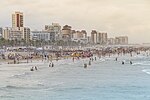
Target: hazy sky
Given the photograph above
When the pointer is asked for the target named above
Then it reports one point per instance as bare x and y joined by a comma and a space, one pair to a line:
117, 17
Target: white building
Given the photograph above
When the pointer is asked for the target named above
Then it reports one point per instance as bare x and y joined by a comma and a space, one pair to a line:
111, 41
104, 38
43, 35
122, 40
10, 33
25, 33
94, 37
98, 37
79, 37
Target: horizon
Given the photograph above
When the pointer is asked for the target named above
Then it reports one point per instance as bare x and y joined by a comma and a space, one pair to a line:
117, 18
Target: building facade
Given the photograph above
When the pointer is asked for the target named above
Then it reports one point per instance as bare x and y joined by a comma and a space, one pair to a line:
11, 34
79, 36
104, 39
121, 40
1, 31
54, 28
43, 36
94, 37
17, 20
111, 41
98, 37
66, 33
25, 33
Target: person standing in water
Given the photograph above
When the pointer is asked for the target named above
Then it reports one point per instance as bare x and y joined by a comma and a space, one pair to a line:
36, 68
73, 59
131, 62
89, 62
52, 64
85, 65
116, 58
49, 64
95, 58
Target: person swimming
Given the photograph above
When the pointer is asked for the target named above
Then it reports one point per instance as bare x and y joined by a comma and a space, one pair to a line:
122, 62
32, 69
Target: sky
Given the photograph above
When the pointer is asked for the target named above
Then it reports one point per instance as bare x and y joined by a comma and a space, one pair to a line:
116, 17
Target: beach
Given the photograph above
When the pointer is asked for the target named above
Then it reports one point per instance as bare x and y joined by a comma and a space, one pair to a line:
104, 79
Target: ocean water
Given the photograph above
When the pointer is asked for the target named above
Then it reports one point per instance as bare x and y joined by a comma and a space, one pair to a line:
105, 79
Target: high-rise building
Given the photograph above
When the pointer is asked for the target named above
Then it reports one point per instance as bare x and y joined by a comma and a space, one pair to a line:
6, 33
84, 33
104, 38
99, 38
1, 31
122, 40
94, 36
25, 33
54, 28
66, 33
17, 20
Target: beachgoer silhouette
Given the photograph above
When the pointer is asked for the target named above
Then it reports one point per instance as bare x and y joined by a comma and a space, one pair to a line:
32, 69
52, 65
36, 68
89, 62
116, 59
85, 65
95, 58
131, 62
122, 62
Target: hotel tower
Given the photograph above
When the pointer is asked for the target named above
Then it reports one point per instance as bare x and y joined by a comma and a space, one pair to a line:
17, 20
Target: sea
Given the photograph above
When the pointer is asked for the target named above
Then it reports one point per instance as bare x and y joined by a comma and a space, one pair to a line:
104, 79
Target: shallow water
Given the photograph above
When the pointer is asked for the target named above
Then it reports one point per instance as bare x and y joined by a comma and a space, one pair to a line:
105, 79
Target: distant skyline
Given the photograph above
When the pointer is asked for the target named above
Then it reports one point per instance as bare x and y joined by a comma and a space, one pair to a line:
116, 17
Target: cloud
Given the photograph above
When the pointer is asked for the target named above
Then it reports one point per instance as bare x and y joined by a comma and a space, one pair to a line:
117, 17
